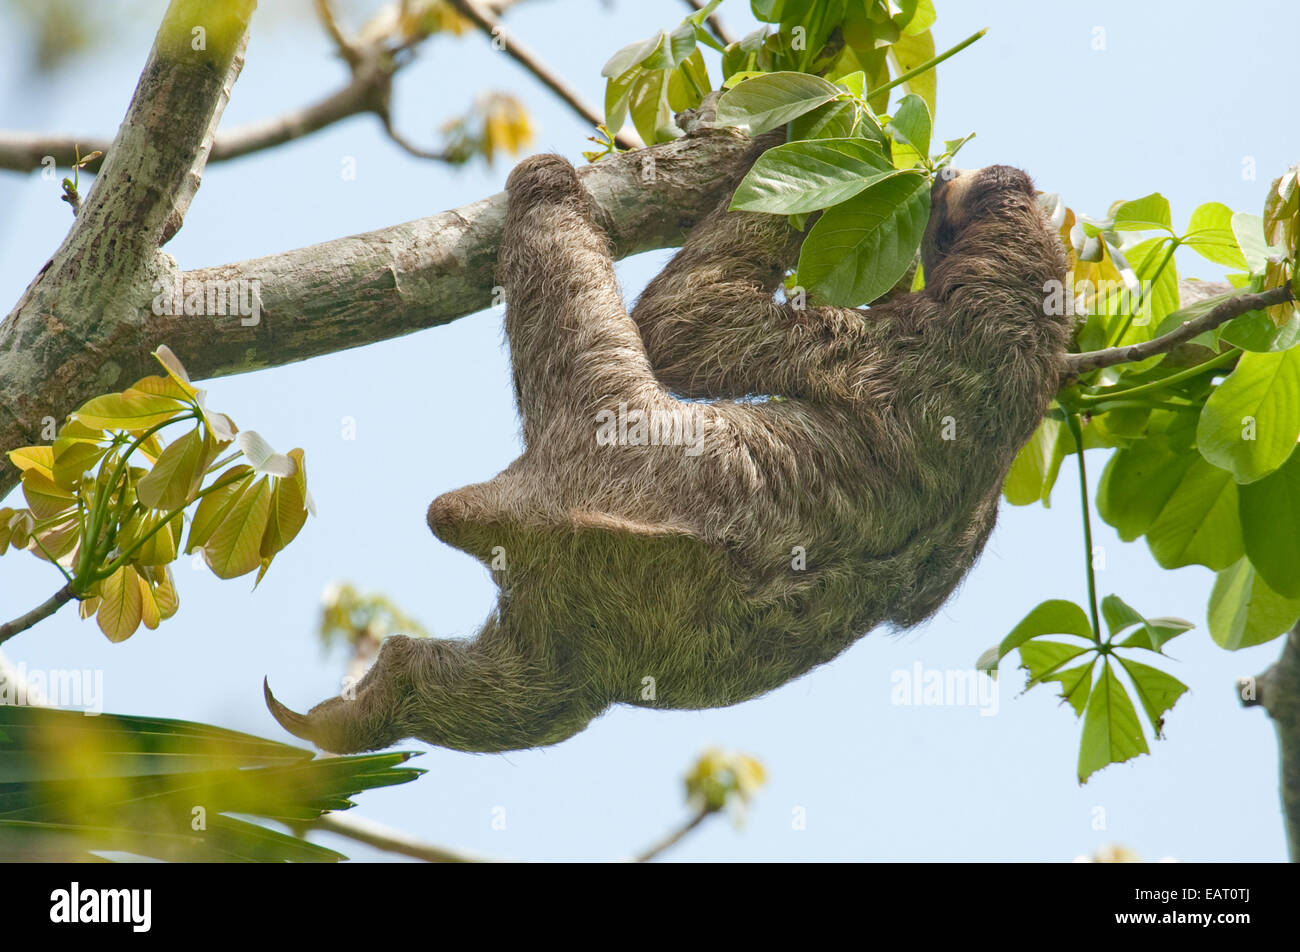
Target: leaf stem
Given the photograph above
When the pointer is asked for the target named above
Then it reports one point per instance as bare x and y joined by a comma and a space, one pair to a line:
1072, 421
929, 64
1217, 361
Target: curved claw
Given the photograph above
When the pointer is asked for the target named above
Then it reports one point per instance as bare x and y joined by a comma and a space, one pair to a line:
296, 724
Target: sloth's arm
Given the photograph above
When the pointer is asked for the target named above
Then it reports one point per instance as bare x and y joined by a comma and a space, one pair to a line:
713, 328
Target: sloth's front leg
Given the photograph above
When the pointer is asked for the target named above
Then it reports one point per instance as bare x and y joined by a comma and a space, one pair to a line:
492, 694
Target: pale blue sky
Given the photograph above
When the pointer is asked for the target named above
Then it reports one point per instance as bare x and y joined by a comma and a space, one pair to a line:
1179, 100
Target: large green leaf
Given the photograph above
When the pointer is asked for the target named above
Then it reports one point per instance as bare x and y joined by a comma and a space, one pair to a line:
1033, 472
804, 176
1270, 526
859, 249
130, 410
911, 124
1198, 523
1144, 214
1245, 611
1210, 232
765, 102
1250, 423
1137, 484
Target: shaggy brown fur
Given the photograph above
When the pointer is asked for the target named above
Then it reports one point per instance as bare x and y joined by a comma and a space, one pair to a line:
881, 462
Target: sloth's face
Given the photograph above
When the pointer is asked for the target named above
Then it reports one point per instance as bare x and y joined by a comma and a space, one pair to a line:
963, 198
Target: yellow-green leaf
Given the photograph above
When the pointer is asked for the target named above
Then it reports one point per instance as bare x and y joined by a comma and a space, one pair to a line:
120, 605
39, 458
44, 497
234, 548
175, 477
214, 506
129, 410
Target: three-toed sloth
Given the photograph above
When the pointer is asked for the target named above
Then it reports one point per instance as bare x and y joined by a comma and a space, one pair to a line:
720, 490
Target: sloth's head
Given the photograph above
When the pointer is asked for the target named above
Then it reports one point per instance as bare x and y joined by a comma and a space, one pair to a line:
962, 200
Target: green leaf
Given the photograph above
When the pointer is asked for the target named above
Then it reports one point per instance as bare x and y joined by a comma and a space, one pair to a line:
1249, 232
1198, 523
1043, 658
1138, 482
1210, 233
772, 100
1055, 616
911, 127
1118, 615
804, 176
1143, 214
1153, 634
1033, 472
1245, 611
1157, 691
1156, 632
648, 105
630, 56
1075, 683
859, 249
1270, 526
1250, 423
73, 786
909, 52
834, 120
1161, 298
1256, 331
1111, 732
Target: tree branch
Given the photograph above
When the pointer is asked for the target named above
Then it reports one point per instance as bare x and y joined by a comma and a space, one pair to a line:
391, 840
56, 352
1277, 690
39, 613
1077, 364
673, 838
489, 24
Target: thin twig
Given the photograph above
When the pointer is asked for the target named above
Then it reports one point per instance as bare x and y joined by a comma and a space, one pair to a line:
391, 840
672, 838
720, 31
39, 613
525, 57
1076, 364
407, 145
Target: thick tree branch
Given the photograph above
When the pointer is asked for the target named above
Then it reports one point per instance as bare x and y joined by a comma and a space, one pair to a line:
1277, 690
98, 283
57, 352
489, 24
1233, 307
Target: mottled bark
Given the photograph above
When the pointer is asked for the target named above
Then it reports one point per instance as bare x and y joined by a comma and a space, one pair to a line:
1277, 691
